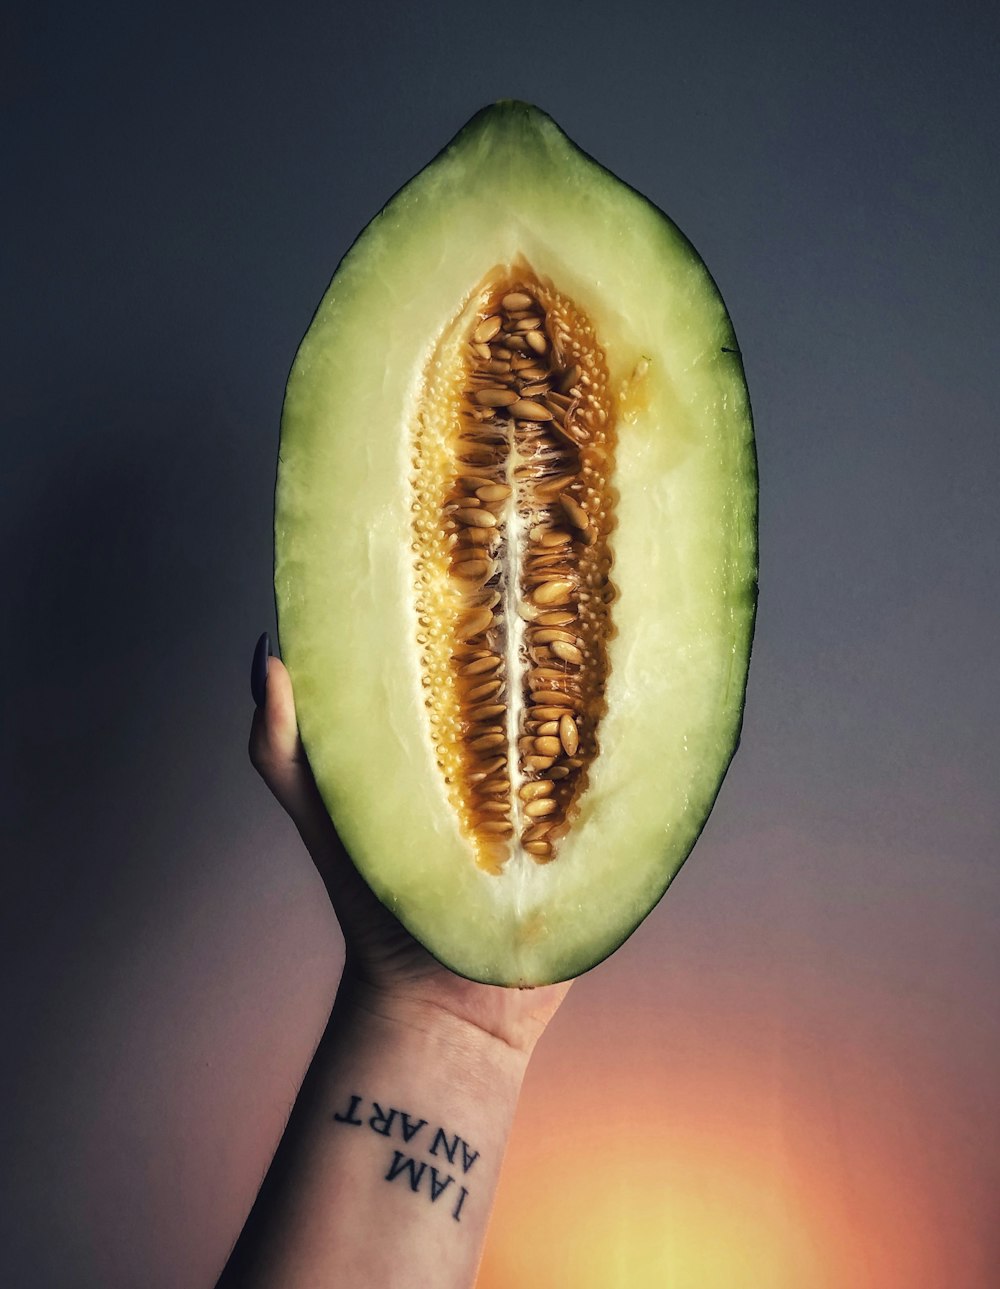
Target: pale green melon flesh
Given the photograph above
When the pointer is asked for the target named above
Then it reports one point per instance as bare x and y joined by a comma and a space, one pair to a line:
512, 187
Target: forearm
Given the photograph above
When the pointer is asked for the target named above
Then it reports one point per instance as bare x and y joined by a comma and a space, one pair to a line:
388, 1167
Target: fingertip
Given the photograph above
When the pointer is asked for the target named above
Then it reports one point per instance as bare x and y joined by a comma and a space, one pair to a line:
277, 755
279, 709
274, 735
258, 669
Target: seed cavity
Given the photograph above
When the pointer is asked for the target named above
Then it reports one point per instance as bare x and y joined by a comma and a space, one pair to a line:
513, 451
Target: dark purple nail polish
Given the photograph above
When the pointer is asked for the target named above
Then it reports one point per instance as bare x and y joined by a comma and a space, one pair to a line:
258, 669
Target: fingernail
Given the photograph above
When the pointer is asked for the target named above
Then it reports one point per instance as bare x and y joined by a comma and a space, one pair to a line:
258, 669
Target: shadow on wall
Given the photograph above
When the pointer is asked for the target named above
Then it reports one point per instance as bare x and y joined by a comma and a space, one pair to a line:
165, 953
121, 566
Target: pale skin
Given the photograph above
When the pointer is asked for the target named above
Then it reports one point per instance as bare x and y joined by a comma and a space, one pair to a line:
388, 1166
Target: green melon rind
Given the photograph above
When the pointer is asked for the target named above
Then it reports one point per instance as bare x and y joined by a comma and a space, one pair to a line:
512, 184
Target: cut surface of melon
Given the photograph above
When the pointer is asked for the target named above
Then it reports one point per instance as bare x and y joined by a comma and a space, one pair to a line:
517, 318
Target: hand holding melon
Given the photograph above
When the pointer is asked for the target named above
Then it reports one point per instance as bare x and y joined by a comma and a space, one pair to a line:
385, 969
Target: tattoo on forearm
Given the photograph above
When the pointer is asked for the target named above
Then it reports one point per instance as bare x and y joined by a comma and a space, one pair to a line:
422, 1175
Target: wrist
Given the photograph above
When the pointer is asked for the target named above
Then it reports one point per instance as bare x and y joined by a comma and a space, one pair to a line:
411, 1015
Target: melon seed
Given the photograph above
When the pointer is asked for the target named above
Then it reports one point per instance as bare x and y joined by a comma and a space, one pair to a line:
578, 517
550, 634
474, 623
535, 788
567, 652
556, 591
498, 828
489, 662
487, 329
495, 397
486, 690
526, 409
569, 735
471, 569
493, 492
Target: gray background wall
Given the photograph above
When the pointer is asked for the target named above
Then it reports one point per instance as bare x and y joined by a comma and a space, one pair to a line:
180, 184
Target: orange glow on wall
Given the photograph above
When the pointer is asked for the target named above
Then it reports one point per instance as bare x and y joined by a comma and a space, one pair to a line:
646, 1215
732, 1157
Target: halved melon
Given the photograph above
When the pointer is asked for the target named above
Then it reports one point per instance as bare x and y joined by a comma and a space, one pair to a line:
516, 551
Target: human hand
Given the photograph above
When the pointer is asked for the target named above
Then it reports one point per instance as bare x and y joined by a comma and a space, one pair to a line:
386, 969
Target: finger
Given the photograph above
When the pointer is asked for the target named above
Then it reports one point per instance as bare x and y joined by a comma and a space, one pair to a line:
277, 754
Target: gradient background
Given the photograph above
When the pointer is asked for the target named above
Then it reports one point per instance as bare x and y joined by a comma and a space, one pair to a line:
788, 1078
